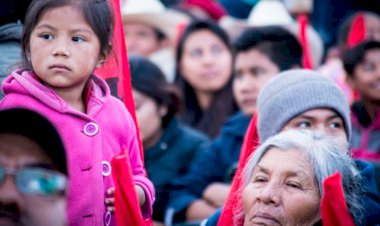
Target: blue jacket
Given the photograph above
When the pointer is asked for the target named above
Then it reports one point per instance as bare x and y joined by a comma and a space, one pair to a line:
369, 199
171, 157
216, 165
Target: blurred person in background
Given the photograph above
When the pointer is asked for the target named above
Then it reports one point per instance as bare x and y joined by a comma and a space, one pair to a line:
169, 146
204, 74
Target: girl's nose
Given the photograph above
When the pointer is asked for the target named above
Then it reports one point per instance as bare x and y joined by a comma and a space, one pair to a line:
61, 48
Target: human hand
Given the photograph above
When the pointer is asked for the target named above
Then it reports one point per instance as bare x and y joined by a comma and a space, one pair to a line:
110, 201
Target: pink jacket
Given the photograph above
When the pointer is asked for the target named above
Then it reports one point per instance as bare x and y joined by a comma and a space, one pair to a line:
91, 140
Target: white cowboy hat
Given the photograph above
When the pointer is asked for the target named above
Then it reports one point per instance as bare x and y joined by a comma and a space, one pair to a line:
153, 13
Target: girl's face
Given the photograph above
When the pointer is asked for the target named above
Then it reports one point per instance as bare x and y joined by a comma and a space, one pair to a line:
149, 117
366, 77
64, 50
206, 62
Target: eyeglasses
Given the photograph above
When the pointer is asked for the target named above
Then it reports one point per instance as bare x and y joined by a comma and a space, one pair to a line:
36, 181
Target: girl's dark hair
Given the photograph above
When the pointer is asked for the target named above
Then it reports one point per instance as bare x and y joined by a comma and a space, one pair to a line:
148, 79
275, 42
223, 104
355, 55
97, 13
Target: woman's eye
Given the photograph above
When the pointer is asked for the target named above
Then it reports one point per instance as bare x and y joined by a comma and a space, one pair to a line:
259, 179
78, 39
293, 185
46, 36
304, 125
196, 53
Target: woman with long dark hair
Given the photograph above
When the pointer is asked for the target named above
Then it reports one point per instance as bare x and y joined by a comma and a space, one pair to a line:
204, 74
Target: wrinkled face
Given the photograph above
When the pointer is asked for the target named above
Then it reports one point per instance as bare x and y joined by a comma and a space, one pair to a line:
64, 49
16, 208
141, 39
282, 191
206, 62
252, 70
372, 24
321, 119
366, 77
149, 117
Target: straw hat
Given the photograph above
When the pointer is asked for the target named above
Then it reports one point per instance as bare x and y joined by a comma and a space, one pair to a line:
153, 13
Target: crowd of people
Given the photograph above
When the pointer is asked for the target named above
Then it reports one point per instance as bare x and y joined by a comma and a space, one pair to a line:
244, 112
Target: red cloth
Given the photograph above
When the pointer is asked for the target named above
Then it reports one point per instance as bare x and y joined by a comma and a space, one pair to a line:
126, 203
303, 21
334, 210
213, 8
233, 202
357, 31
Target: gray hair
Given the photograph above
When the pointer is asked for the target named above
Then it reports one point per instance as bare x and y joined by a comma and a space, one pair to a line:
325, 155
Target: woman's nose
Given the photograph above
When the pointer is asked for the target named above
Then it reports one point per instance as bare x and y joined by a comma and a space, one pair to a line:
270, 194
8, 191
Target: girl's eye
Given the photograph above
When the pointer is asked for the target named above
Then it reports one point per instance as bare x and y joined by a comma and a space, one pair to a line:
46, 36
304, 124
77, 39
216, 50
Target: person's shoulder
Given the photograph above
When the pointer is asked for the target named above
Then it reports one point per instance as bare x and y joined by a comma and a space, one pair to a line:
188, 132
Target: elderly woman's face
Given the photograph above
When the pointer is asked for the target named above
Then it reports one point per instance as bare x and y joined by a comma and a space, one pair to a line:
281, 191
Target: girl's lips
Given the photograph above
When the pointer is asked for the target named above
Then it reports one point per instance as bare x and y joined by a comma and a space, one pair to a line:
59, 67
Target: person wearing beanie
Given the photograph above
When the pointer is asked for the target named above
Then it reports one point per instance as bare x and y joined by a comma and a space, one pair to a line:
303, 99
280, 101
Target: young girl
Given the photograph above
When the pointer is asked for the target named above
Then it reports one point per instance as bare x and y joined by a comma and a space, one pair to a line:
63, 42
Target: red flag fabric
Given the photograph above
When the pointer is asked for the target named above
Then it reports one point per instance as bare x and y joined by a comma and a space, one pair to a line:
357, 31
126, 202
334, 210
127, 209
303, 21
233, 202
117, 66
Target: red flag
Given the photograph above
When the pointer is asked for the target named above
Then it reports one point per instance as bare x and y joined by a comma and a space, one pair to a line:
357, 31
117, 66
334, 209
306, 59
127, 207
233, 202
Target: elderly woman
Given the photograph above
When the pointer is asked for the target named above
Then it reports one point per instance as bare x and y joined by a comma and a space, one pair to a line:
284, 179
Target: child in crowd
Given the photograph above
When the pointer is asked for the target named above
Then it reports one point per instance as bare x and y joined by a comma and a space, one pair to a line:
63, 42
260, 53
169, 145
362, 65
204, 74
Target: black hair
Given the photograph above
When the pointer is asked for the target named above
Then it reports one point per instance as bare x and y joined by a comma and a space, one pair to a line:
355, 55
223, 103
148, 79
277, 43
97, 13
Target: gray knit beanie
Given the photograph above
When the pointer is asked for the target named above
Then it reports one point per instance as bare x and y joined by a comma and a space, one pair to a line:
293, 92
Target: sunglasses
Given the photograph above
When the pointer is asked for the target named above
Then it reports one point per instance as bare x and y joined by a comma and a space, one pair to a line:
36, 181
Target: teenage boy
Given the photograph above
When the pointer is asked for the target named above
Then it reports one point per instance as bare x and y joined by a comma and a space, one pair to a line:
362, 65
260, 53
33, 172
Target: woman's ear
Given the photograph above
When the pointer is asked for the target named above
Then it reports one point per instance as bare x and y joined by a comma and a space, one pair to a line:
351, 81
162, 110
